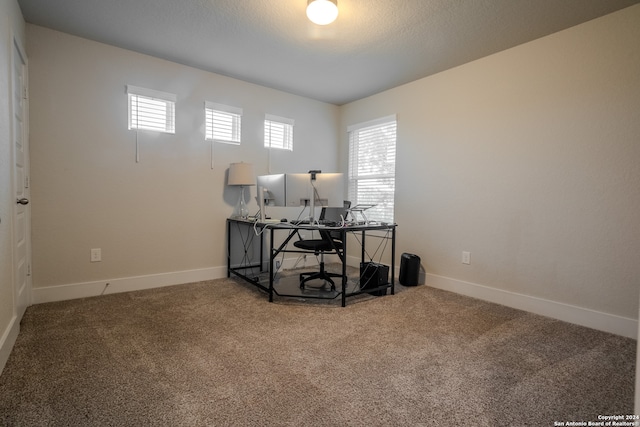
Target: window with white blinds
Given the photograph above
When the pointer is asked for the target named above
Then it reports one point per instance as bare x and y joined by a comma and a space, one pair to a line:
372, 167
222, 123
278, 132
151, 109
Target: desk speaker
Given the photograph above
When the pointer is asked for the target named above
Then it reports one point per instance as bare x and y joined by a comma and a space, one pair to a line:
373, 275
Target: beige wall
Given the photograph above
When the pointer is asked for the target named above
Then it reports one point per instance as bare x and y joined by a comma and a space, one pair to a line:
529, 160
11, 25
167, 213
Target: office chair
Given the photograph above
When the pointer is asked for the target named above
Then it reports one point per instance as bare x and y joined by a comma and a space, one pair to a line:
329, 243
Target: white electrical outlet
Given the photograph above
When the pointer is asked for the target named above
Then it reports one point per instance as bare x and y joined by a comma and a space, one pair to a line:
277, 264
466, 257
96, 255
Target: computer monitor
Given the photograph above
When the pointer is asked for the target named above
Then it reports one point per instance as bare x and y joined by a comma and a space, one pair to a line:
327, 187
271, 192
273, 189
328, 190
297, 189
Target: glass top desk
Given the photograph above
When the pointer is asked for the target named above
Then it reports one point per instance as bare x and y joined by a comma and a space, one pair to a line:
260, 263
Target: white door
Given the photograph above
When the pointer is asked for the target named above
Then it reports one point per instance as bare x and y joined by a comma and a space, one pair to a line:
22, 212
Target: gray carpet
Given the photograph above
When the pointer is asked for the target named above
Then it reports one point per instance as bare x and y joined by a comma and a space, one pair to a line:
218, 354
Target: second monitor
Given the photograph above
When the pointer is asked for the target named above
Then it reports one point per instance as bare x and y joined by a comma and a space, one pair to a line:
327, 189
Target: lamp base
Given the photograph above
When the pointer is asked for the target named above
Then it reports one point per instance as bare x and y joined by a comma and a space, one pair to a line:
241, 210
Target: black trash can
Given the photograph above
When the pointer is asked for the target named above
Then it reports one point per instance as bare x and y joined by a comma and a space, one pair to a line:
409, 269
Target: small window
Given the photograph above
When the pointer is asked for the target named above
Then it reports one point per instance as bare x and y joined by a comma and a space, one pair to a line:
372, 166
151, 110
223, 123
278, 132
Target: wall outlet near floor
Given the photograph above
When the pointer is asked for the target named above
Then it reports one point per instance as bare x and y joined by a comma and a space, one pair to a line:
466, 257
277, 264
96, 255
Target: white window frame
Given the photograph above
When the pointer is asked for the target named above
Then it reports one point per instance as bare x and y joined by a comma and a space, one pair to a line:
278, 132
151, 109
370, 183
223, 123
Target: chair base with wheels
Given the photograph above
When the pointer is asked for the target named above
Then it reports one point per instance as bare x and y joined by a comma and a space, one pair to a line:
319, 247
319, 275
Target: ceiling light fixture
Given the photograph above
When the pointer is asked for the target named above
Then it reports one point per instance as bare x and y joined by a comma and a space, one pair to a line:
322, 12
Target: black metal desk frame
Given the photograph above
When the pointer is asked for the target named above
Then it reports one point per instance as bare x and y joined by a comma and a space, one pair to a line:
293, 231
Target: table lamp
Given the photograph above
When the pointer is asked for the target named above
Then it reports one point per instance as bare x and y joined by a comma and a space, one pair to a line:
241, 174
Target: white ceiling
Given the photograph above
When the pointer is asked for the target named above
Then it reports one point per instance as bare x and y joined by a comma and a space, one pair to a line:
373, 45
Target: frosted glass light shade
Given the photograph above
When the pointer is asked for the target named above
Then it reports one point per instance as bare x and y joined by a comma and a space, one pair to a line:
322, 12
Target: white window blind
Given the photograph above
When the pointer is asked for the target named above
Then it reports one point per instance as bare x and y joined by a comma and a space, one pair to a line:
222, 122
372, 167
278, 132
151, 109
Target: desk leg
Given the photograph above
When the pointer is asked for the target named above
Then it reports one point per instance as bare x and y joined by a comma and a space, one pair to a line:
228, 249
344, 267
261, 252
393, 260
271, 264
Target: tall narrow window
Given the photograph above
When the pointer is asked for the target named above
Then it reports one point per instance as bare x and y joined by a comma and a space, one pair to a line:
372, 166
151, 109
278, 132
223, 123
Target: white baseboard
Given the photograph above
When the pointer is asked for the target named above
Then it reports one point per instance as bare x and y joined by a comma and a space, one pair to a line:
124, 284
7, 341
581, 316
568, 313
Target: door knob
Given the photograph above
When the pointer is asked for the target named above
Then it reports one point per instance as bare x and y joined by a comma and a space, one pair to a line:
23, 201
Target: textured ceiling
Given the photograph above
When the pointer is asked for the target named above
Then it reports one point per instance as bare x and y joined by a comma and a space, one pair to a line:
373, 45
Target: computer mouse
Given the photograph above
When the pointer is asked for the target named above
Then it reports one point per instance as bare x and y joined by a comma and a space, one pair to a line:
283, 220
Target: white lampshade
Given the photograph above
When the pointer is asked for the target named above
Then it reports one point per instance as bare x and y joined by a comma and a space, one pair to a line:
322, 12
241, 174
